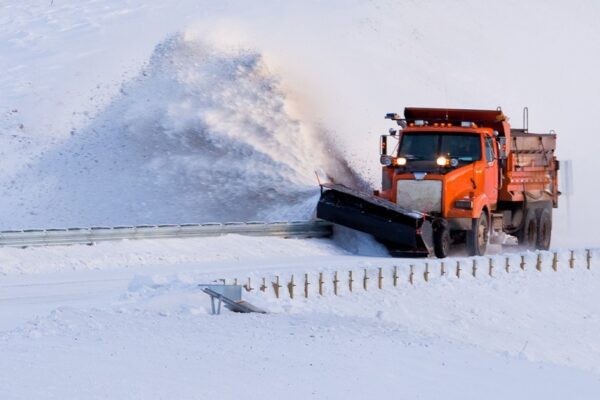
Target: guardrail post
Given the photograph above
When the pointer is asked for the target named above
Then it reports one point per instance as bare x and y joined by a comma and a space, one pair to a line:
380, 278
491, 269
411, 275
276, 286
248, 286
572, 259
523, 262
442, 270
426, 273
458, 269
335, 283
365, 280
555, 261
321, 283
507, 266
538, 264
474, 268
290, 287
395, 276
350, 281
306, 283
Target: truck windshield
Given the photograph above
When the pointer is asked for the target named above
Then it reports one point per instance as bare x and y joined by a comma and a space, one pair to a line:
429, 146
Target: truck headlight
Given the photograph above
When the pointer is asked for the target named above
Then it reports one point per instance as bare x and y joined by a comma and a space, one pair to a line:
441, 161
401, 161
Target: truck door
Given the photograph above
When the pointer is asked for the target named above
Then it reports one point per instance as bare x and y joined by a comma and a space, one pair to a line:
491, 169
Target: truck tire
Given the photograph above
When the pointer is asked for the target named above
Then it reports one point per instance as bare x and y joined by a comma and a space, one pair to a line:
478, 236
528, 233
544, 233
441, 240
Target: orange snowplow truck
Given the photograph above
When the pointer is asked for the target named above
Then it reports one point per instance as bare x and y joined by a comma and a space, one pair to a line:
454, 176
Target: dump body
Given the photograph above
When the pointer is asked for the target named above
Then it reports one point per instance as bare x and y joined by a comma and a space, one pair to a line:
531, 168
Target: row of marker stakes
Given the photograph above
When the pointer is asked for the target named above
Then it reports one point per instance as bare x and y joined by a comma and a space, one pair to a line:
291, 285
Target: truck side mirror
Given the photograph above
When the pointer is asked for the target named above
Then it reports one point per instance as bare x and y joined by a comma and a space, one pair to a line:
501, 148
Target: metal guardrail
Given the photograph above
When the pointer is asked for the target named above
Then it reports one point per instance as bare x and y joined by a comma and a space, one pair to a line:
47, 237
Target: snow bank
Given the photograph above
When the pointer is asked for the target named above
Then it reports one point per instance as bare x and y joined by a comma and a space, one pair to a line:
488, 337
212, 254
509, 314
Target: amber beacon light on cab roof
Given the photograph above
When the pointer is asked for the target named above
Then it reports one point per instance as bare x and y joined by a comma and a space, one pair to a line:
454, 176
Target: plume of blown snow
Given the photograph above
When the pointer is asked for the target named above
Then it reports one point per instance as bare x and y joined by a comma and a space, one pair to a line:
202, 134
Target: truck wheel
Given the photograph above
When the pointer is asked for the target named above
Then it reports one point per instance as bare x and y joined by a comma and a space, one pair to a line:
528, 233
441, 240
544, 232
478, 236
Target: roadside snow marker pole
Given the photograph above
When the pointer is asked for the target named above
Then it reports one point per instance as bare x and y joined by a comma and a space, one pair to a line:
491, 269
395, 276
306, 286
523, 262
410, 276
263, 287
380, 279
248, 286
555, 261
458, 269
589, 258
350, 280
321, 283
365, 280
276, 286
335, 283
291, 286
507, 266
474, 268
442, 271
426, 273
572, 259
538, 264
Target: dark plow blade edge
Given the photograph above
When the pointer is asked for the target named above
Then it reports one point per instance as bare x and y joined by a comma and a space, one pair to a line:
404, 232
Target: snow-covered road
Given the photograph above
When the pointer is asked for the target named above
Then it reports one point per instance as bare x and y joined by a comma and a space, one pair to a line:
77, 322
138, 354
39, 279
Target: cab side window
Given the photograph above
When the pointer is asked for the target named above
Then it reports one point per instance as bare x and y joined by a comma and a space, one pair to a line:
489, 149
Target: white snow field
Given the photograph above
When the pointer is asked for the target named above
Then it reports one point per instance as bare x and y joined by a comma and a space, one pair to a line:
127, 320
146, 111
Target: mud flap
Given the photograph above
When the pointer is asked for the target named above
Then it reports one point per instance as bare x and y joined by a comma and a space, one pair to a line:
405, 232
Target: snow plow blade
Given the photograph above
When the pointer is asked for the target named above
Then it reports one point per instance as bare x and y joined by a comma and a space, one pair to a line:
405, 232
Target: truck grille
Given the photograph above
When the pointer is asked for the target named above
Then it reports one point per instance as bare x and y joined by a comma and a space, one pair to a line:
423, 195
